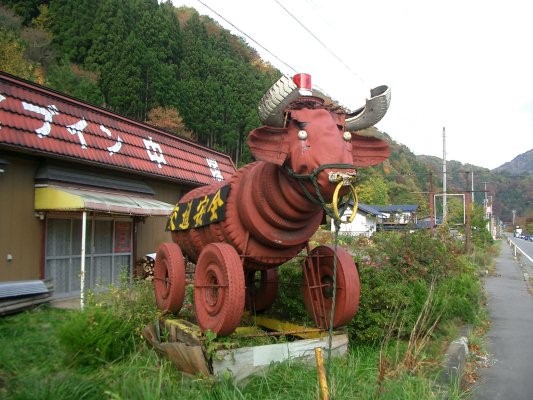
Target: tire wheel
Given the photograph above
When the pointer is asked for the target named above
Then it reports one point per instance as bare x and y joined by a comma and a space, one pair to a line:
261, 289
318, 286
219, 289
169, 278
274, 102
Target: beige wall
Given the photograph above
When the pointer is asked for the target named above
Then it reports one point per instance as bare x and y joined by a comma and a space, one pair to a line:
20, 230
151, 233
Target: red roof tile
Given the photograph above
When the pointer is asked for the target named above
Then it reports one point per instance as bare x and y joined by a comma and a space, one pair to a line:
39, 120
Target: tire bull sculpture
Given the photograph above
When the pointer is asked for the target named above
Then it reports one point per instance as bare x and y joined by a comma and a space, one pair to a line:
238, 232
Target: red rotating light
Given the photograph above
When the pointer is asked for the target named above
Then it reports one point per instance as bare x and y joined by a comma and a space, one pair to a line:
303, 82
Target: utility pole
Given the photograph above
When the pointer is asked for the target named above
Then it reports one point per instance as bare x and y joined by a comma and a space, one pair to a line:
468, 231
488, 210
431, 205
472, 188
485, 202
444, 205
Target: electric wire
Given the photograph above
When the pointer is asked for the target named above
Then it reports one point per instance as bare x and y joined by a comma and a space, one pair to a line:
274, 55
247, 36
320, 41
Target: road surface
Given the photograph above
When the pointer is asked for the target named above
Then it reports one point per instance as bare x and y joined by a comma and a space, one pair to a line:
510, 337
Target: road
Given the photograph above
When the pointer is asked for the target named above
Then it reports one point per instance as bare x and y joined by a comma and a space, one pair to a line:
510, 305
526, 260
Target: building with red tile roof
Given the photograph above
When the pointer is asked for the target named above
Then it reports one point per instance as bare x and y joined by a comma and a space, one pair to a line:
65, 164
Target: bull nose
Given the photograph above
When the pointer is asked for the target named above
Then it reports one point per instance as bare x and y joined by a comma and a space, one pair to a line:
345, 177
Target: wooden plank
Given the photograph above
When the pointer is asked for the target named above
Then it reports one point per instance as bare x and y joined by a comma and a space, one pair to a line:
188, 359
183, 331
294, 329
243, 362
188, 354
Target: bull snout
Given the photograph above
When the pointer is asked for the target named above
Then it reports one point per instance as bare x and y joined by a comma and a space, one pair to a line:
346, 178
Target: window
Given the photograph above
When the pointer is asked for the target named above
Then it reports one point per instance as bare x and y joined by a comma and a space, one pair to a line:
108, 252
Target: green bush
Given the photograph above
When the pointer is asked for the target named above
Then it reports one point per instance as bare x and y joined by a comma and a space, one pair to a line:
96, 336
388, 305
398, 271
459, 297
110, 324
289, 303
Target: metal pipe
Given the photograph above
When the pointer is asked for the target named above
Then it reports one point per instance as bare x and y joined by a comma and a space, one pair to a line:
82, 262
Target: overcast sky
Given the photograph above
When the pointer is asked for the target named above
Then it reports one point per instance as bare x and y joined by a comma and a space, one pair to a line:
463, 65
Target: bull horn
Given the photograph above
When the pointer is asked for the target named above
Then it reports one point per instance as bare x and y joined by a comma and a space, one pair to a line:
273, 104
372, 112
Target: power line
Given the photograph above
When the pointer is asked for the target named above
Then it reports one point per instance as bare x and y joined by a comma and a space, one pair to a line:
274, 55
320, 41
247, 36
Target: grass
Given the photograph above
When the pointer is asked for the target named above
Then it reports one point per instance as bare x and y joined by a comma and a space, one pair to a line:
49, 353
34, 365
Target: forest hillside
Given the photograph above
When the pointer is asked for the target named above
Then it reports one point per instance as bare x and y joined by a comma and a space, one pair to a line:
183, 72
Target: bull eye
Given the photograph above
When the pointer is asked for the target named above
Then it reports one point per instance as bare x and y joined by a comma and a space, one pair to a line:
302, 135
347, 136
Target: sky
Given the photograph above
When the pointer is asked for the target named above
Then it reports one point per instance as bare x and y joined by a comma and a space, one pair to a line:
460, 66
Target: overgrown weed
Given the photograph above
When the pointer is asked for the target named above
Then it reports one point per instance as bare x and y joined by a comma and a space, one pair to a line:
413, 294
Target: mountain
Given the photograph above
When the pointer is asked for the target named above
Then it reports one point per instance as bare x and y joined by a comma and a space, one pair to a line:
506, 190
153, 62
521, 164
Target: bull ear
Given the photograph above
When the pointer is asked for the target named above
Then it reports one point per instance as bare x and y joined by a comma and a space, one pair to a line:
268, 144
368, 150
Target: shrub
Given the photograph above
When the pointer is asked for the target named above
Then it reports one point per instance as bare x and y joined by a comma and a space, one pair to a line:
379, 302
397, 273
459, 297
289, 303
107, 329
388, 305
96, 336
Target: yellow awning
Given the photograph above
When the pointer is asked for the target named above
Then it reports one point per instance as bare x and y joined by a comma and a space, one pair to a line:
51, 198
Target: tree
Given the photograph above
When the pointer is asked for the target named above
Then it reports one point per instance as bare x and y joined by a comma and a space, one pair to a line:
43, 21
70, 78
168, 118
73, 26
26, 9
38, 48
12, 56
480, 234
373, 190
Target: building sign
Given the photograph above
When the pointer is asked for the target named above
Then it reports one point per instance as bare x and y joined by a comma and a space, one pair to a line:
213, 167
43, 121
200, 211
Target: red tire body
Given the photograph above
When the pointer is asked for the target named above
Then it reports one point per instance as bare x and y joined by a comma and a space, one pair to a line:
169, 278
219, 289
318, 286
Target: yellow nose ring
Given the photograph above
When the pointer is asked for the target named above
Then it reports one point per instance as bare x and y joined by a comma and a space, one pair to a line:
335, 202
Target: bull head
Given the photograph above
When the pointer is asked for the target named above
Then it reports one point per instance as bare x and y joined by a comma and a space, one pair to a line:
309, 135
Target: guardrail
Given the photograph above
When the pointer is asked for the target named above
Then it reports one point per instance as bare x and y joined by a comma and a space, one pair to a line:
527, 268
515, 247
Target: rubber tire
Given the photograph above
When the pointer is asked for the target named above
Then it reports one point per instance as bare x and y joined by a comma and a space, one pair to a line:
261, 298
348, 287
169, 278
219, 310
273, 104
